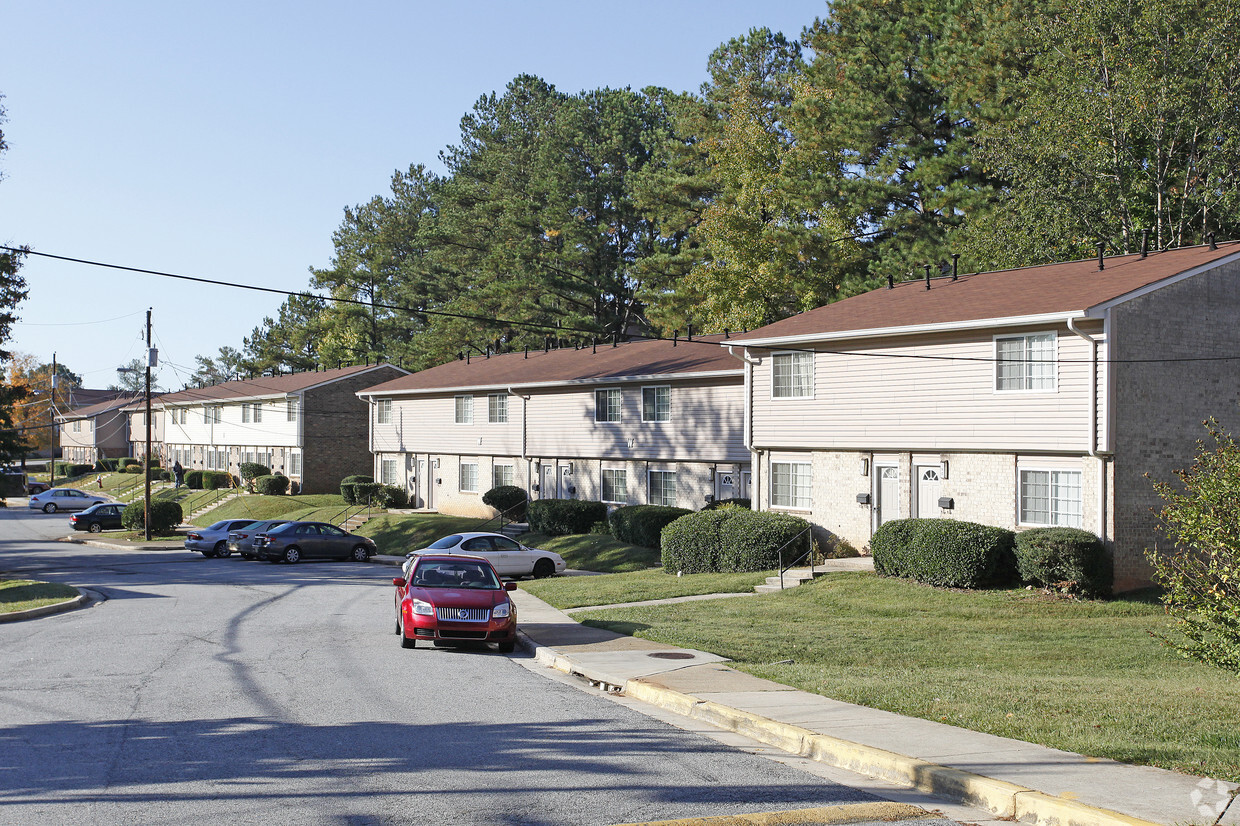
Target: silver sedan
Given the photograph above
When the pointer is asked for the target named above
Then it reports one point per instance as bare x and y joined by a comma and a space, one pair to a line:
213, 539
65, 499
510, 557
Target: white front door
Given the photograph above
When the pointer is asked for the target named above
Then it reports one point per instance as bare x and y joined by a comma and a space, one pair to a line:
419, 479
546, 488
886, 493
566, 482
927, 492
726, 487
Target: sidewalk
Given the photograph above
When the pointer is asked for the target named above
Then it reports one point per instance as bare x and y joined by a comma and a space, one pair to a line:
1011, 778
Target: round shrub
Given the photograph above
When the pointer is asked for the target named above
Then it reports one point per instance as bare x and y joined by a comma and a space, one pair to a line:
642, 524
740, 502
733, 539
366, 493
944, 552
165, 515
193, 479
560, 517
506, 499
135, 469
270, 485
121, 464
393, 496
215, 480
250, 471
1067, 558
346, 487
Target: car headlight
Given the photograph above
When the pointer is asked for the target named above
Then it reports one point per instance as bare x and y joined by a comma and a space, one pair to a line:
502, 610
423, 608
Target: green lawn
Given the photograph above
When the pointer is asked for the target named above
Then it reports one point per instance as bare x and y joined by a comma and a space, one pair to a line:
595, 552
24, 594
653, 583
398, 534
1084, 676
317, 506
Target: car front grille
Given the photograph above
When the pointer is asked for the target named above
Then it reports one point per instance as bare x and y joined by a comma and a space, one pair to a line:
451, 634
463, 614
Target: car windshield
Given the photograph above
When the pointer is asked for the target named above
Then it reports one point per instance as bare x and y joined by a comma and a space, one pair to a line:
445, 543
455, 575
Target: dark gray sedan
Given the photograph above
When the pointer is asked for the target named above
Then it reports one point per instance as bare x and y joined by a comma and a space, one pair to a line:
241, 540
213, 540
295, 541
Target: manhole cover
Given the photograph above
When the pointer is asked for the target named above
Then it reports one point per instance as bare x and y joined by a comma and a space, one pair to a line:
670, 655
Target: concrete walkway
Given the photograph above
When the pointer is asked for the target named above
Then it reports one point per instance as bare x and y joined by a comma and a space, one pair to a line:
1010, 778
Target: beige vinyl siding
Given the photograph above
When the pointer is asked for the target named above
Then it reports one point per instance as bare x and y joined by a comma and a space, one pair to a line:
870, 399
273, 430
422, 424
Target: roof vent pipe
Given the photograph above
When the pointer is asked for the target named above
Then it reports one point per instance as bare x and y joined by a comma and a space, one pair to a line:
1213, 245
546, 344
675, 337
1102, 245
593, 344
691, 329
467, 357
955, 266
927, 266
1145, 242
891, 281
527, 351
615, 339
727, 333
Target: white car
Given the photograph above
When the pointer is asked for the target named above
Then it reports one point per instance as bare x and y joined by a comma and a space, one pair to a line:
65, 499
509, 557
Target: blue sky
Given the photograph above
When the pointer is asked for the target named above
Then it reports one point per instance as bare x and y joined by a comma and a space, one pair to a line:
223, 140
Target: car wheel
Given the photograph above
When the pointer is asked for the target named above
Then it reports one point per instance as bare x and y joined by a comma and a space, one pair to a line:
407, 642
507, 647
543, 568
95, 527
292, 554
360, 554
244, 555
221, 549
50, 507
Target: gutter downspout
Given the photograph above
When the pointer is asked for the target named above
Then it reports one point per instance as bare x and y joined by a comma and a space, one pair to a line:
529, 471
1093, 426
755, 464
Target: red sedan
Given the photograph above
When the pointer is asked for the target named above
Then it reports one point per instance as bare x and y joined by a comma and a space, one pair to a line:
454, 599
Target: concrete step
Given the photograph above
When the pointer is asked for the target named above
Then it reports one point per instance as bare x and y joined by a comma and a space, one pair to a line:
515, 529
792, 578
356, 521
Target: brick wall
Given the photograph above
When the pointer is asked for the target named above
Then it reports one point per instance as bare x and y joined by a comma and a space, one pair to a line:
335, 430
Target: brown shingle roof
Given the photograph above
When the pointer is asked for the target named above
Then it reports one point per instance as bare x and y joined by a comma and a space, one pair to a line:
631, 359
264, 385
1074, 286
99, 407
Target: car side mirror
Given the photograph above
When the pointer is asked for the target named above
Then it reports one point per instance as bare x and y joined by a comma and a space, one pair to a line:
399, 582
510, 586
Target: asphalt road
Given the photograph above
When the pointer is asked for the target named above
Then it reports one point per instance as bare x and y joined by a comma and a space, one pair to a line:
202, 690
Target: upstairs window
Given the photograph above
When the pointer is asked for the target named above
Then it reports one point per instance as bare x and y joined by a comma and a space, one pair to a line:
607, 405
294, 408
245, 413
383, 411
497, 408
1025, 362
792, 375
656, 404
464, 409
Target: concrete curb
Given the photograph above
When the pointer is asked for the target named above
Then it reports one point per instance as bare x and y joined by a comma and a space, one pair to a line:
46, 610
1005, 800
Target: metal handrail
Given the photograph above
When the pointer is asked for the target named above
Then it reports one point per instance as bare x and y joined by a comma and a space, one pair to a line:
810, 553
501, 516
347, 516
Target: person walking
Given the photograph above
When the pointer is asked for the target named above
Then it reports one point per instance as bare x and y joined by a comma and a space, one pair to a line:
178, 473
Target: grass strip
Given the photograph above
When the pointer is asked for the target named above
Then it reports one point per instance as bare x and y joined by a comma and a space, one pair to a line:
24, 594
609, 589
1083, 676
595, 552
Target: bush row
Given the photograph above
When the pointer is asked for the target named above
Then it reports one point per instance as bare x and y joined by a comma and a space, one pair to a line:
347, 490
642, 524
955, 554
165, 515
560, 517
733, 539
67, 469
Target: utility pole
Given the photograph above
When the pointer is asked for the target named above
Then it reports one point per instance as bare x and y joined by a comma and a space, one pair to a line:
146, 465
51, 414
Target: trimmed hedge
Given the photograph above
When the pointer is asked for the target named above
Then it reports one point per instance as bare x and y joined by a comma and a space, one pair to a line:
121, 464
740, 502
250, 471
365, 493
505, 499
193, 479
109, 465
65, 469
393, 496
270, 485
165, 515
642, 524
346, 487
561, 517
944, 552
1068, 558
216, 479
733, 540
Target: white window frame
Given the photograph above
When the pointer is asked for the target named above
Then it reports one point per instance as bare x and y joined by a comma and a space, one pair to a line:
622, 487
655, 391
795, 485
294, 462
664, 476
389, 471
383, 411
1047, 384
503, 473
1058, 480
793, 359
258, 411
463, 412
497, 408
472, 477
603, 411
245, 413
292, 408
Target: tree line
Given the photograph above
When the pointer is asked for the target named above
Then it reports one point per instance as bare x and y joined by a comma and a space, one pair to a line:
889, 137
